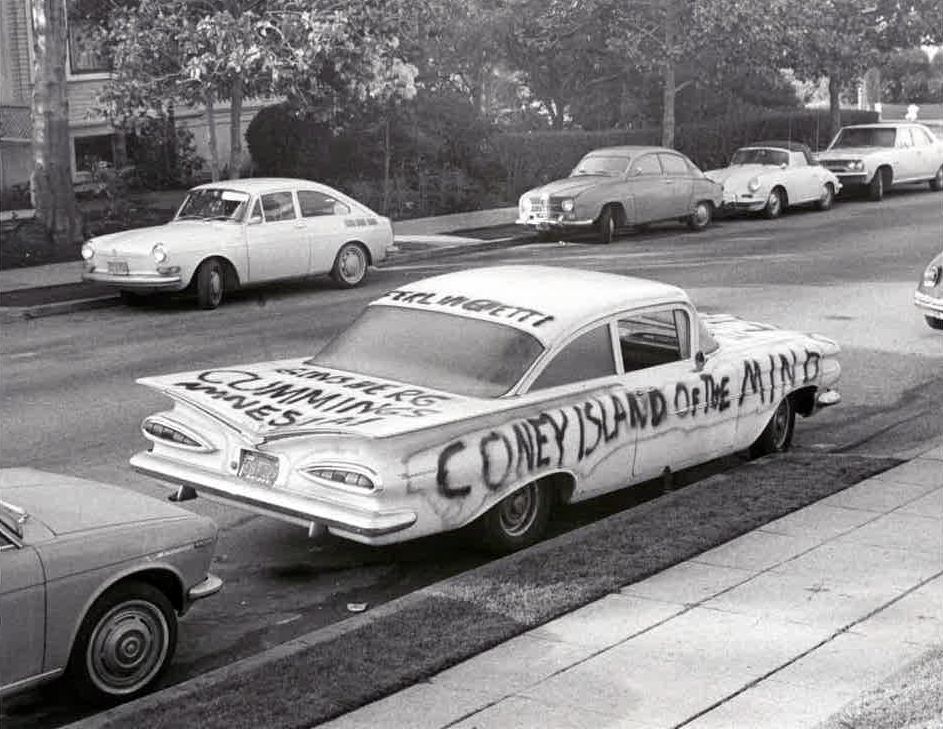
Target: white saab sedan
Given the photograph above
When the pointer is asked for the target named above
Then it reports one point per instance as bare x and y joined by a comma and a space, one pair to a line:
238, 232
486, 396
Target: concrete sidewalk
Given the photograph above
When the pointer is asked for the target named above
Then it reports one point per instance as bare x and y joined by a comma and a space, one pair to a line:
779, 628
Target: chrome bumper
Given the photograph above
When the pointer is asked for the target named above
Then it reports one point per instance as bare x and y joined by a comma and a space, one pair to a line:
553, 223
930, 304
137, 281
210, 586
310, 512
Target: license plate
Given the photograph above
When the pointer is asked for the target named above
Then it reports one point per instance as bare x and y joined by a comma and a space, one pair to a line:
118, 267
258, 467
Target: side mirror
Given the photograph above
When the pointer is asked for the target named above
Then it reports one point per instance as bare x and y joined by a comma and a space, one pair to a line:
699, 360
254, 220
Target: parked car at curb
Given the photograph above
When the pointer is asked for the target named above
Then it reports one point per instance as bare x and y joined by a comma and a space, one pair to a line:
873, 157
93, 580
482, 398
240, 232
768, 177
929, 294
621, 187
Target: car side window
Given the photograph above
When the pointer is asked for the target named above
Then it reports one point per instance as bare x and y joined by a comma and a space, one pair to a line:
585, 358
674, 165
278, 206
646, 166
652, 338
903, 138
314, 204
920, 137
256, 211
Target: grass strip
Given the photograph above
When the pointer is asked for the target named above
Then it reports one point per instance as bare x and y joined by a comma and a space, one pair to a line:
446, 623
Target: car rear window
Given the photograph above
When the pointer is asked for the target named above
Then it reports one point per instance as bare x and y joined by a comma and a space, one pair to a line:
442, 351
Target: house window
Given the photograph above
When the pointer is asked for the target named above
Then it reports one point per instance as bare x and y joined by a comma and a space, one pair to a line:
94, 152
87, 52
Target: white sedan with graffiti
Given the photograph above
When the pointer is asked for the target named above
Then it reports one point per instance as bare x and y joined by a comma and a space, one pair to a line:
485, 397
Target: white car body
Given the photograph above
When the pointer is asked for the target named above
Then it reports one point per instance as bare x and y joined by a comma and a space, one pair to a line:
524, 375
256, 230
771, 176
877, 156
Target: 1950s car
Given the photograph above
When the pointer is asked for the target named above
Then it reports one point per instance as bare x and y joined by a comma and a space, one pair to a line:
619, 187
929, 294
94, 577
239, 232
485, 396
876, 156
769, 177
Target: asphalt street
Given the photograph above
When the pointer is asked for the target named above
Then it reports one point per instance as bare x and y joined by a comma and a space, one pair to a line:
69, 400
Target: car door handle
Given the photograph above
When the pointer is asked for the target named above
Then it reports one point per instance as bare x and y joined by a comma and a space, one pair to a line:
301, 225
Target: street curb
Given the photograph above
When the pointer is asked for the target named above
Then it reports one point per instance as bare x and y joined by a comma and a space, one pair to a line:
9, 315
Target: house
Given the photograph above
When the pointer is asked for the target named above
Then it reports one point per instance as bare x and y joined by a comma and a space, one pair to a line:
92, 137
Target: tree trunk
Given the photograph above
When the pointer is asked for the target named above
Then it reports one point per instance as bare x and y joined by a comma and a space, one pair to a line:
235, 129
668, 76
51, 188
211, 129
387, 153
834, 104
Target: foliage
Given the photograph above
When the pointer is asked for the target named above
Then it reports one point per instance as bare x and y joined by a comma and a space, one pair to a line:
285, 141
159, 162
906, 78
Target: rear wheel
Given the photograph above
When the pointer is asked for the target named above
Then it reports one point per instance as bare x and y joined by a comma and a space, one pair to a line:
774, 204
701, 217
606, 226
350, 266
933, 322
936, 184
876, 187
125, 643
518, 520
209, 284
777, 435
827, 197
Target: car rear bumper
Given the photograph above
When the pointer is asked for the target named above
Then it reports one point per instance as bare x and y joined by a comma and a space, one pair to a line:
352, 522
210, 586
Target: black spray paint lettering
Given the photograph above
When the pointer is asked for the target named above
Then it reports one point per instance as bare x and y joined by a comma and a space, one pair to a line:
783, 372
413, 396
491, 307
716, 396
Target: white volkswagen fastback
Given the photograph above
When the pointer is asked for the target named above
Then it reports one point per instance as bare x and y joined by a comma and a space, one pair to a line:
486, 396
239, 232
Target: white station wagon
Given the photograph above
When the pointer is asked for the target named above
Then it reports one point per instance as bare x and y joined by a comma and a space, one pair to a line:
238, 232
485, 396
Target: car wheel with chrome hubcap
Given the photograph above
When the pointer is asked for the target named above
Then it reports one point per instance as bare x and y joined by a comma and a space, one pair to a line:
350, 266
777, 435
518, 520
125, 643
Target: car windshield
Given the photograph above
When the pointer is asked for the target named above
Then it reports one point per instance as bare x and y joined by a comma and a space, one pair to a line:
214, 204
865, 137
598, 164
442, 351
760, 156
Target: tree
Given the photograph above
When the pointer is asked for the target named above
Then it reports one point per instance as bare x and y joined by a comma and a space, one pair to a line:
51, 188
905, 77
841, 39
222, 51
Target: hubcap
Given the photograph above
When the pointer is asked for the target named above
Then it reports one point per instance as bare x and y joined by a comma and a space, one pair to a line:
519, 510
128, 647
773, 202
701, 214
216, 285
352, 264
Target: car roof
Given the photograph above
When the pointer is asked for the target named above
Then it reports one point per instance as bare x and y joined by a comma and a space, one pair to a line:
264, 184
778, 144
570, 297
884, 125
633, 149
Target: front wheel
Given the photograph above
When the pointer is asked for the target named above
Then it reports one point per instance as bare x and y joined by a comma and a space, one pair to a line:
125, 643
350, 266
876, 187
701, 217
607, 226
933, 322
777, 435
518, 520
209, 284
774, 204
936, 184
827, 197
